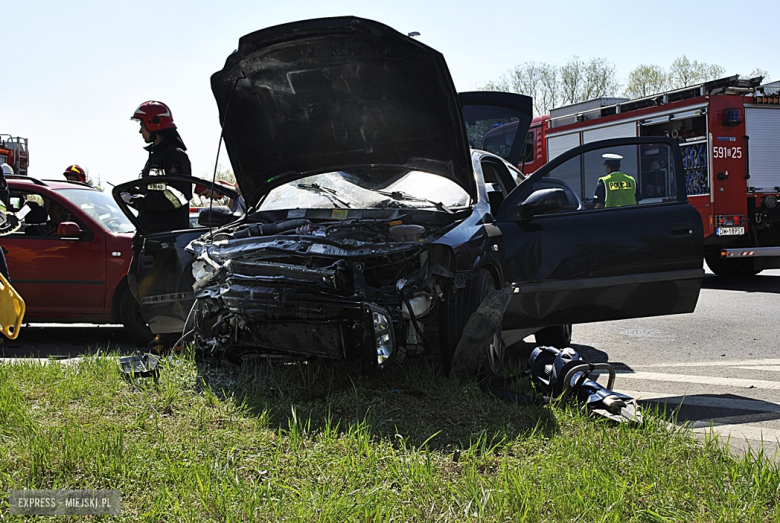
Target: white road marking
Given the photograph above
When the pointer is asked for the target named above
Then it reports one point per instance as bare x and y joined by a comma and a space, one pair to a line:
742, 432
705, 380
705, 401
734, 434
771, 368
719, 363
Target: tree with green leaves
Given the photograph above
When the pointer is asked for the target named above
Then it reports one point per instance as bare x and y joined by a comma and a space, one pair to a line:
684, 72
646, 80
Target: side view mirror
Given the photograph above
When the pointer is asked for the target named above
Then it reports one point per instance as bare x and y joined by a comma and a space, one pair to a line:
69, 230
543, 201
217, 216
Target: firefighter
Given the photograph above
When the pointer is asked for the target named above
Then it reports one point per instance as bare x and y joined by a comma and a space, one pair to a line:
7, 216
616, 189
162, 206
75, 173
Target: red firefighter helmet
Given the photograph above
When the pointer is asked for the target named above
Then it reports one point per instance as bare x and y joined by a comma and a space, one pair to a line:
155, 116
75, 173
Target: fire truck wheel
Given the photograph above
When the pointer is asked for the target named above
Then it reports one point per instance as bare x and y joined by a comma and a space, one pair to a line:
130, 316
731, 268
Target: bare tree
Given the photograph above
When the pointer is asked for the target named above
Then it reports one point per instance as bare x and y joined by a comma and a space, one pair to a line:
645, 80
571, 78
757, 71
549, 89
600, 80
578, 80
537, 80
581, 81
685, 72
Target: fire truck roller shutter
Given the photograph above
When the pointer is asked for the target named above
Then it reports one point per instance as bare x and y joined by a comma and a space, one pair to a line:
570, 172
763, 128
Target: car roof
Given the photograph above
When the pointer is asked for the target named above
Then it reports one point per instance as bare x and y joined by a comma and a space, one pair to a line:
17, 181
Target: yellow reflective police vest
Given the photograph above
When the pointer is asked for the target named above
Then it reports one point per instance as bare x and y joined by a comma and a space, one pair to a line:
620, 189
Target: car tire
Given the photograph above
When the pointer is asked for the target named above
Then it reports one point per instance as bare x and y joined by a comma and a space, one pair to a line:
486, 361
493, 363
558, 336
730, 268
130, 316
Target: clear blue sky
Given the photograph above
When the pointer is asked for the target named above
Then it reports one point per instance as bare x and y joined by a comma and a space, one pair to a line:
74, 71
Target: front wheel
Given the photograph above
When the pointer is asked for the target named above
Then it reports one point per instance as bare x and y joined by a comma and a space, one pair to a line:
476, 355
130, 316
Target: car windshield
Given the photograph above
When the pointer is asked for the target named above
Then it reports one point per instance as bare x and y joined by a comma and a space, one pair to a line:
101, 207
361, 190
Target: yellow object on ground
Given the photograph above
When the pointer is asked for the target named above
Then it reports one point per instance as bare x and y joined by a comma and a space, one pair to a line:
11, 309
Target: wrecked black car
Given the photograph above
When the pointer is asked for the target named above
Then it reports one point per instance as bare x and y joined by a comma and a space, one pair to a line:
376, 225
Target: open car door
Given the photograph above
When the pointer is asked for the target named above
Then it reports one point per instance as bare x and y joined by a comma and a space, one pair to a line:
575, 263
497, 122
160, 274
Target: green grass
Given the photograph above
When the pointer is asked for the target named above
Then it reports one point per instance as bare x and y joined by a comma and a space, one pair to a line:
304, 442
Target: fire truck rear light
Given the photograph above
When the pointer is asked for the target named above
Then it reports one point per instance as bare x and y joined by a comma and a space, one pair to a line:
735, 220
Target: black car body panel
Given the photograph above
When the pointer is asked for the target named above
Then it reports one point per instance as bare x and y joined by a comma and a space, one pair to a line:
575, 266
354, 252
160, 273
321, 95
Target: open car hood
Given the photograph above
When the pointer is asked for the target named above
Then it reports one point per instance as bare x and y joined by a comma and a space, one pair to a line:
333, 94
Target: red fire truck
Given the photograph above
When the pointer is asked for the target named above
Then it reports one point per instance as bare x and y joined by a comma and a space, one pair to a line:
14, 152
729, 133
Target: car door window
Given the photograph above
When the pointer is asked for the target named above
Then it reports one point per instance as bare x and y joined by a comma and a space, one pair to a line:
499, 182
56, 273
643, 173
43, 217
497, 122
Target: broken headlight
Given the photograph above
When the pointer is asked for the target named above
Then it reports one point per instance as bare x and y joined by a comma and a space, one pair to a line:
203, 270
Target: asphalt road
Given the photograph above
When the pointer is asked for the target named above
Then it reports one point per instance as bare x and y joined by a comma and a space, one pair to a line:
722, 362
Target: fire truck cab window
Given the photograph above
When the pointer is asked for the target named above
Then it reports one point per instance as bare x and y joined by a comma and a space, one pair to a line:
527, 155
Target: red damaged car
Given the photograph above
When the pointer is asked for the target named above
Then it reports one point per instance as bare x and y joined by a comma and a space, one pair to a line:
69, 258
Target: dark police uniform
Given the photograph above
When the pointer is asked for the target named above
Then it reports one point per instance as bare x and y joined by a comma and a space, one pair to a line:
165, 206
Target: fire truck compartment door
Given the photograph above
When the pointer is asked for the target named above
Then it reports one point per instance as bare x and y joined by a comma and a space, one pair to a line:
763, 128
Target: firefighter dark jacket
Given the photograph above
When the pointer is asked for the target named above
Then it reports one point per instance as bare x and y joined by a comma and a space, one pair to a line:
165, 207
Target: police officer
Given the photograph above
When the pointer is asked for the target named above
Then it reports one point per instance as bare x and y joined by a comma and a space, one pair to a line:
161, 206
616, 189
